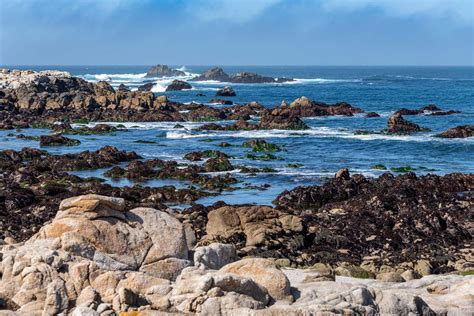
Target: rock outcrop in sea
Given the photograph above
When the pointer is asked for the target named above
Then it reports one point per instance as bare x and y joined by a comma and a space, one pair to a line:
218, 74
164, 71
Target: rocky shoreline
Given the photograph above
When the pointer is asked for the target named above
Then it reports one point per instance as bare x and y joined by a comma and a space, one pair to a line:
352, 245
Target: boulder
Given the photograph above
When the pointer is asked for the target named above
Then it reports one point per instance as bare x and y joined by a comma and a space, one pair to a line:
177, 85
225, 92
257, 225
214, 256
265, 273
97, 228
390, 277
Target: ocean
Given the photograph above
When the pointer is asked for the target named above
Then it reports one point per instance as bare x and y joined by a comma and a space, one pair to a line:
329, 145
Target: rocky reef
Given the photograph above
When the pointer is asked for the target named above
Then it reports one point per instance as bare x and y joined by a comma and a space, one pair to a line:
218, 74
30, 98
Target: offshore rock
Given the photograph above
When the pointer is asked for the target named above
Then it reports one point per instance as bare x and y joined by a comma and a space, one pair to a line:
462, 131
396, 124
177, 85
164, 71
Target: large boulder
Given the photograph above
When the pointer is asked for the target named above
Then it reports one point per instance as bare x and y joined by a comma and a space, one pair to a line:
164, 71
265, 273
214, 256
98, 228
254, 225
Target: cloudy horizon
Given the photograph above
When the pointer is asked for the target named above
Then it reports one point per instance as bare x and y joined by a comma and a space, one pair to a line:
211, 32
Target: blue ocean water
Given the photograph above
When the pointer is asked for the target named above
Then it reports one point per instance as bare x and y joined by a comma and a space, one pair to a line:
329, 145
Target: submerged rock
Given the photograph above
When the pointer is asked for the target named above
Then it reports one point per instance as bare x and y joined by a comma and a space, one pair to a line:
57, 140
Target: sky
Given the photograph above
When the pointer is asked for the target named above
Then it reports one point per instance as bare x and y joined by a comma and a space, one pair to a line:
237, 32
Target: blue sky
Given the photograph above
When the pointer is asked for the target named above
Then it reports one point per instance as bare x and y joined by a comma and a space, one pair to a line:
245, 32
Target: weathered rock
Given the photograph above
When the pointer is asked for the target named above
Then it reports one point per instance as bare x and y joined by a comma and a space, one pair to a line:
214, 256
265, 273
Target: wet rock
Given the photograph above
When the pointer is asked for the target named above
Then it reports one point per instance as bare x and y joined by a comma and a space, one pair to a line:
225, 92
462, 131
214, 256
281, 119
57, 140
406, 216
249, 77
221, 101
164, 71
218, 164
177, 85
146, 87
398, 125
304, 107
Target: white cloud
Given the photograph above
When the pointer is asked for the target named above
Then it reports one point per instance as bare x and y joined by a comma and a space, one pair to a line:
231, 10
460, 10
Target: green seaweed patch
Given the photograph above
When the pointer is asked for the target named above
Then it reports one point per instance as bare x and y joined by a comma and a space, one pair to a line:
224, 144
80, 121
403, 169
262, 157
141, 141
379, 166
465, 273
261, 146
294, 165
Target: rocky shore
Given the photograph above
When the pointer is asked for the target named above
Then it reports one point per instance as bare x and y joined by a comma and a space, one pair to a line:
98, 257
70, 245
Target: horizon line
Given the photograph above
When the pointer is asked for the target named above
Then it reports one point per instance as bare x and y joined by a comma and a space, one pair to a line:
232, 65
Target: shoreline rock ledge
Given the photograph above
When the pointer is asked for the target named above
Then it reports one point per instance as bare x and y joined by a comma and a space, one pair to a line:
97, 258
